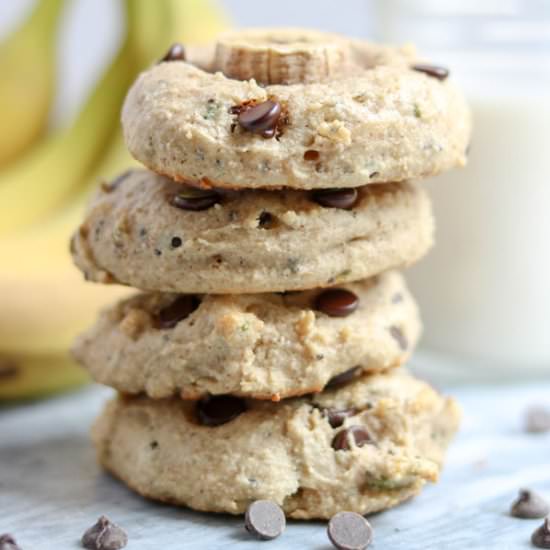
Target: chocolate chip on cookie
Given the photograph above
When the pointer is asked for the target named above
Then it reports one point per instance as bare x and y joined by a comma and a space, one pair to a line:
178, 310
219, 409
529, 505
261, 118
337, 417
343, 378
337, 302
264, 519
349, 531
441, 73
175, 53
104, 535
195, 199
359, 434
7, 542
336, 198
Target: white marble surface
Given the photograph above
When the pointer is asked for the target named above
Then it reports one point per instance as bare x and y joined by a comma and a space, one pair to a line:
51, 489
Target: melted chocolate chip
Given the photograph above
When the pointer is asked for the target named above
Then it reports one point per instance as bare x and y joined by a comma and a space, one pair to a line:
178, 310
337, 417
399, 337
441, 73
337, 302
342, 378
175, 53
219, 409
336, 198
260, 118
196, 200
358, 434
349, 531
264, 519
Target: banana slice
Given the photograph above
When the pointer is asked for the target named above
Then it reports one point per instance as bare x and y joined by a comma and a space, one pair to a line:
283, 56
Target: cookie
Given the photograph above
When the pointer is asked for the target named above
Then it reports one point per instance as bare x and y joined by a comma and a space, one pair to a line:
326, 112
151, 233
266, 346
363, 447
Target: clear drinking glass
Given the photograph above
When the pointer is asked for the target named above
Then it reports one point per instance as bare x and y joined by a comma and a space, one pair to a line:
484, 290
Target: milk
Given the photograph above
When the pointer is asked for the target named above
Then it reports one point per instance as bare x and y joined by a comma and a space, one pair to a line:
484, 290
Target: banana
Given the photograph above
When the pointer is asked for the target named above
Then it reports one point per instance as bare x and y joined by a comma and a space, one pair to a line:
283, 56
53, 171
45, 301
32, 376
28, 69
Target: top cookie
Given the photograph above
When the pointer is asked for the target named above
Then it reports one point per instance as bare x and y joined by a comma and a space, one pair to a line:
271, 109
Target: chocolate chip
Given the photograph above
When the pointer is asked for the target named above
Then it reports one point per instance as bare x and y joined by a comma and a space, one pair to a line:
266, 220
104, 535
399, 337
176, 242
529, 505
337, 302
537, 419
541, 537
195, 200
336, 198
178, 310
441, 73
349, 531
261, 118
175, 53
264, 519
7, 542
342, 378
219, 409
311, 155
358, 434
337, 417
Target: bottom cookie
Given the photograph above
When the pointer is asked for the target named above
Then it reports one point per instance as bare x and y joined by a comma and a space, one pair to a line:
362, 447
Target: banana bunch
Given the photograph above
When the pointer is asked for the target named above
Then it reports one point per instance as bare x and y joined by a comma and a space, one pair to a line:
46, 178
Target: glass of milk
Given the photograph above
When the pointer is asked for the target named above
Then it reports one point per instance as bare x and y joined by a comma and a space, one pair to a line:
484, 290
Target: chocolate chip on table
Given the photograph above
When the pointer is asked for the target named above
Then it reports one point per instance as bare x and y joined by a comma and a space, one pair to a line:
178, 310
104, 535
537, 419
175, 53
260, 118
219, 409
343, 378
264, 519
195, 200
359, 434
399, 337
541, 537
337, 417
529, 505
441, 73
337, 302
336, 198
7, 542
349, 531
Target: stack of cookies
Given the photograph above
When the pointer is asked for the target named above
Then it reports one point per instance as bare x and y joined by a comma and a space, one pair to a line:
259, 360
